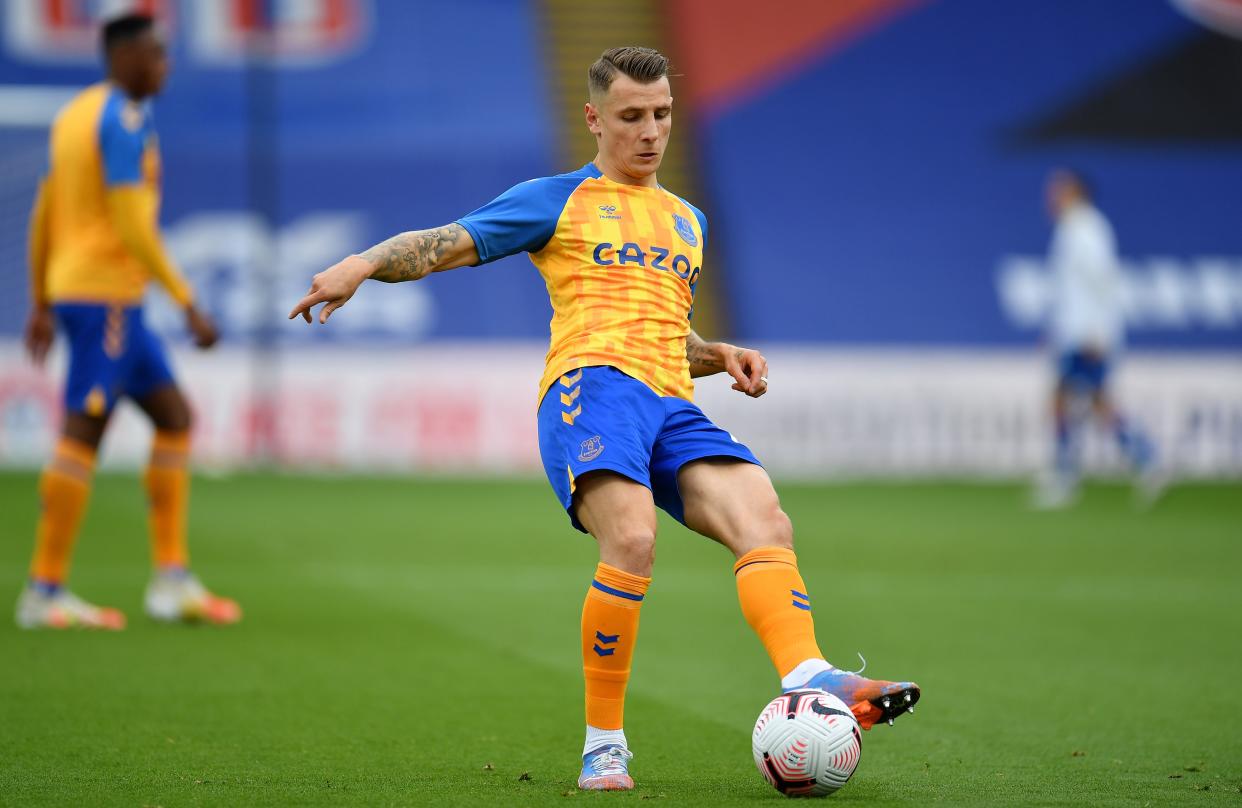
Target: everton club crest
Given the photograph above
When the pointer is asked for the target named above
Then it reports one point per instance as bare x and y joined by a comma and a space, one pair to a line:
591, 449
682, 225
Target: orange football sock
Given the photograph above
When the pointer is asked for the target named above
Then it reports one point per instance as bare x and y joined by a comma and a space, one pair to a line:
167, 480
64, 490
609, 629
775, 603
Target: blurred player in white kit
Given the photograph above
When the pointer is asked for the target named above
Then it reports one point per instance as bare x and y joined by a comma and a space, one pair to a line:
1086, 329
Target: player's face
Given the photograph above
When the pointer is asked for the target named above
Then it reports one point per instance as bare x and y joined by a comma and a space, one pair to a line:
1059, 194
632, 122
154, 62
140, 64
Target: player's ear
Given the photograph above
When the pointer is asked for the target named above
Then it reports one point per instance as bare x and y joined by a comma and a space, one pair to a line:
592, 118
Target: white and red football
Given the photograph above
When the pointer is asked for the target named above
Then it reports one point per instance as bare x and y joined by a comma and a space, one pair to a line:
807, 743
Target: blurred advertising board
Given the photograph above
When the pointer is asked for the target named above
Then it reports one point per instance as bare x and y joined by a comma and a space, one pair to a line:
470, 408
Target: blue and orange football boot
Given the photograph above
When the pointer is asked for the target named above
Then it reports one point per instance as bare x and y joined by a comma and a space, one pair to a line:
606, 769
870, 700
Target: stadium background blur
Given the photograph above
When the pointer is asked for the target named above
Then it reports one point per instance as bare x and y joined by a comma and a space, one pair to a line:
872, 171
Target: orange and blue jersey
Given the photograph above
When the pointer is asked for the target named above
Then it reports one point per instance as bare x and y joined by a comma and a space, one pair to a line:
100, 141
95, 247
621, 263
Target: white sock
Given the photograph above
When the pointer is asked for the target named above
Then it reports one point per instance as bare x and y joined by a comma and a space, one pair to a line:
805, 670
596, 737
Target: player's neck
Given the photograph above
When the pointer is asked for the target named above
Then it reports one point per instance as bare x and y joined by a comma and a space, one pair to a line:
130, 93
1073, 208
616, 175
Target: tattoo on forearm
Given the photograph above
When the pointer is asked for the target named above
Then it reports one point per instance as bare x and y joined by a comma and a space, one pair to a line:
412, 255
704, 357
700, 355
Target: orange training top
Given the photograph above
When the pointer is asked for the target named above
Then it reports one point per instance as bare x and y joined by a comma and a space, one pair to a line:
101, 140
621, 263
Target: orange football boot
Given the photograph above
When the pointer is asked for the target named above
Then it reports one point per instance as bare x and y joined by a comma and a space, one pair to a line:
870, 700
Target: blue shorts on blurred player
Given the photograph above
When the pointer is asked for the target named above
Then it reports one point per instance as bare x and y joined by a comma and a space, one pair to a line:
1082, 387
1083, 372
111, 354
598, 418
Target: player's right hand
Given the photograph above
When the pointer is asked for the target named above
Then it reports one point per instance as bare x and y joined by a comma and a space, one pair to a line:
40, 332
333, 287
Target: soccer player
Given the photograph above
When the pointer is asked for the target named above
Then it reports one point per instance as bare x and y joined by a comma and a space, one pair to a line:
618, 433
94, 244
1086, 328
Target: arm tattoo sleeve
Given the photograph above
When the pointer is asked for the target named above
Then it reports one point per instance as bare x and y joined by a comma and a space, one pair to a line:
704, 357
412, 255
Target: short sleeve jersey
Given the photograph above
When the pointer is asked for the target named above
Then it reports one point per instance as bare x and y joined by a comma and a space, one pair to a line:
621, 263
101, 139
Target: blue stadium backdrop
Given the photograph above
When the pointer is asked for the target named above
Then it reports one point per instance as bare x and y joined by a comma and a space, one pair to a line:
872, 169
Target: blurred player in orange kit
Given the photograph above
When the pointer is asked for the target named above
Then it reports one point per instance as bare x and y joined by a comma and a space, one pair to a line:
618, 432
94, 245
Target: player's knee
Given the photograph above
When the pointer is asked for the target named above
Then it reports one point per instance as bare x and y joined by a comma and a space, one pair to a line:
766, 527
179, 420
175, 417
84, 428
635, 544
778, 529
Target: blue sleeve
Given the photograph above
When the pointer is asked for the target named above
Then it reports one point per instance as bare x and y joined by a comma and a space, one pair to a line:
522, 219
698, 214
121, 146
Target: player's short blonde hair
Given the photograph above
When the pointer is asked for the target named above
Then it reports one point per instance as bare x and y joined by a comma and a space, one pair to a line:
644, 65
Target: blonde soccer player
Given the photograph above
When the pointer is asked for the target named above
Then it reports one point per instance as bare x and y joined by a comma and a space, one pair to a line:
618, 430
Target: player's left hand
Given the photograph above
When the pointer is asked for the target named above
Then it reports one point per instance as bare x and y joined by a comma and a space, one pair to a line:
748, 368
201, 327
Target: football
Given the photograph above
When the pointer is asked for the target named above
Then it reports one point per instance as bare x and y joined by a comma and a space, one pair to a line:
807, 743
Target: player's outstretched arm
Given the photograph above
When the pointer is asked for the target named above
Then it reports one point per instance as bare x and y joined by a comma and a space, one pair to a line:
747, 366
404, 257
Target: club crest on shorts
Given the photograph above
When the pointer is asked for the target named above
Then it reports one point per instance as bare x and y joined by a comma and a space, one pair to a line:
592, 448
682, 225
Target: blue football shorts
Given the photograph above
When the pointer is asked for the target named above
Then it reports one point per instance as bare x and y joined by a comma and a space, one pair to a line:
598, 418
1083, 372
111, 354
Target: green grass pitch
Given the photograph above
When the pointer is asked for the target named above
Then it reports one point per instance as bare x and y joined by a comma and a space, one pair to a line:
413, 641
